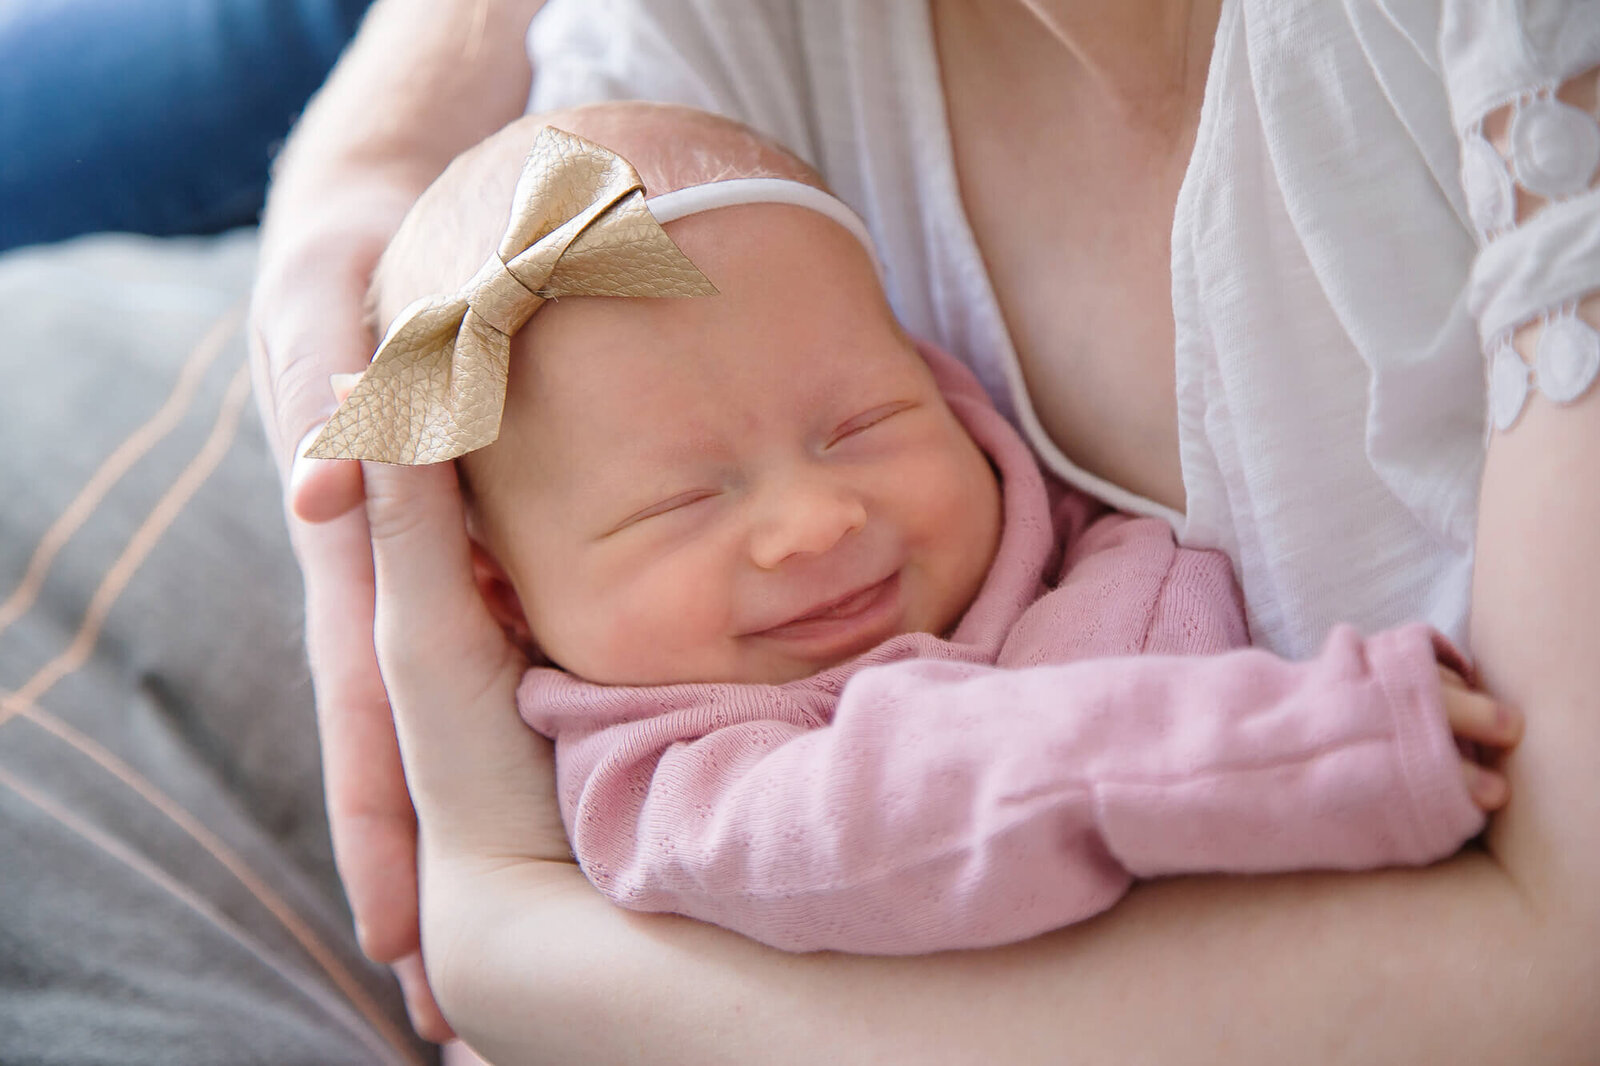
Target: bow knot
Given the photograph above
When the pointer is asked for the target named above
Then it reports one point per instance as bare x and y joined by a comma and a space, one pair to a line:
500, 298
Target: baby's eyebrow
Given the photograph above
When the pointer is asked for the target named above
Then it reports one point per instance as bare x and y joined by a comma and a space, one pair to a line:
638, 470
687, 447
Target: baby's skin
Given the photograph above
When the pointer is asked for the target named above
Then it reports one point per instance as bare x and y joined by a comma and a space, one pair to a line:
749, 487
746, 487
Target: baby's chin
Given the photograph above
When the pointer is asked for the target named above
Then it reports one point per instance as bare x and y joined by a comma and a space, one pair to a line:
738, 669
718, 666
749, 672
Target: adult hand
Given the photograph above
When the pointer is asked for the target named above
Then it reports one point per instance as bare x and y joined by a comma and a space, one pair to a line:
422, 80
307, 321
482, 782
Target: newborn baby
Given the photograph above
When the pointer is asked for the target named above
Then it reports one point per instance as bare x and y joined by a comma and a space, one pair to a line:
827, 661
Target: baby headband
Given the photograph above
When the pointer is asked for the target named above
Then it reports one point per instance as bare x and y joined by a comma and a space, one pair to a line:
580, 226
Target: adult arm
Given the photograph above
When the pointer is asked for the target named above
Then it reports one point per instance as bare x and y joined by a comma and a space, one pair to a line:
957, 805
422, 80
1532, 184
1486, 958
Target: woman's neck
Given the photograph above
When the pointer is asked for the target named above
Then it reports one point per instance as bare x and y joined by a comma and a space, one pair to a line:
1148, 57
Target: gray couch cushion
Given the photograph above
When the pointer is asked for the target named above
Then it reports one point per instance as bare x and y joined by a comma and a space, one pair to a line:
158, 759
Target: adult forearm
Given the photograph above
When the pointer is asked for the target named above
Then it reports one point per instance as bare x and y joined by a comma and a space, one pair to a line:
422, 80
1487, 958
1448, 964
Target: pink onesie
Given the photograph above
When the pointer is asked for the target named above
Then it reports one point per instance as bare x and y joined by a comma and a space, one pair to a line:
1016, 776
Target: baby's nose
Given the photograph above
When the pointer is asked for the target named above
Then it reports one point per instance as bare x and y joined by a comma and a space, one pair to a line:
808, 516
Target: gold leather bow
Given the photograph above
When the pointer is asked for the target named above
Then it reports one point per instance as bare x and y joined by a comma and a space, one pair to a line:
436, 387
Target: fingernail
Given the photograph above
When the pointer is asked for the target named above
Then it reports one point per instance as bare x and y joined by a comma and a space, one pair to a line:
343, 384
306, 441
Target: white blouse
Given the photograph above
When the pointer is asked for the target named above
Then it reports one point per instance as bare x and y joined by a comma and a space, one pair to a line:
1346, 244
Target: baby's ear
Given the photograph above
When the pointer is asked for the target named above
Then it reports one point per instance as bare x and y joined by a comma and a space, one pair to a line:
501, 597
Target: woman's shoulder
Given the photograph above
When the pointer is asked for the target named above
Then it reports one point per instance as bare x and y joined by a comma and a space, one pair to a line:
1460, 56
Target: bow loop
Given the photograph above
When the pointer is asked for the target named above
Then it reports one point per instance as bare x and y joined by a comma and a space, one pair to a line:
436, 387
625, 253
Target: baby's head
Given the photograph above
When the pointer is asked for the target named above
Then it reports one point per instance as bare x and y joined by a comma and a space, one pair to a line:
750, 486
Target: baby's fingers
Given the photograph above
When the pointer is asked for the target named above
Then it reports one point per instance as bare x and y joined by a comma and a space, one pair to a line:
1482, 719
1488, 788
1491, 725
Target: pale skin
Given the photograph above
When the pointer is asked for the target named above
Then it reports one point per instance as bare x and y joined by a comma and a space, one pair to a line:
1402, 967
671, 477
679, 486
447, 74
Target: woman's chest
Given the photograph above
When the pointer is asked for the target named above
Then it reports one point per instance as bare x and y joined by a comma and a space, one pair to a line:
1077, 244
1070, 196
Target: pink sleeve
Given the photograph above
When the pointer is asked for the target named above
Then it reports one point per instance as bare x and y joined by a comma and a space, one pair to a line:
953, 805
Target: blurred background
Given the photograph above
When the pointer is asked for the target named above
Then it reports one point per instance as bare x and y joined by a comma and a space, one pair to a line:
159, 767
152, 116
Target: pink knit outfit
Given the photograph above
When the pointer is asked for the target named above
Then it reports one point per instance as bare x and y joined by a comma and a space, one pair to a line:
1094, 717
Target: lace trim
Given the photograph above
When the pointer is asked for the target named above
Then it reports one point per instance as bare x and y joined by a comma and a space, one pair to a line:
1566, 362
1546, 151
1551, 150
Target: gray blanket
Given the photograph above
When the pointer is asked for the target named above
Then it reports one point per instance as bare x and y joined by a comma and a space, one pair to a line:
167, 892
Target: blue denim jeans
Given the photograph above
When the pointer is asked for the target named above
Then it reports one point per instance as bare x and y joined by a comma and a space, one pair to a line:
152, 116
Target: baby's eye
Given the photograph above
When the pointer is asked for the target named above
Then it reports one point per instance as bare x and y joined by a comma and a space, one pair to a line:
868, 419
674, 503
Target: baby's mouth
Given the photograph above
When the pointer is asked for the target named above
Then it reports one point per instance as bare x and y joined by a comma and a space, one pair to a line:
844, 626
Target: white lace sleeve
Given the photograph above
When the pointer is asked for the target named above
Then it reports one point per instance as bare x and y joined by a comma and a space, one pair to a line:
1524, 83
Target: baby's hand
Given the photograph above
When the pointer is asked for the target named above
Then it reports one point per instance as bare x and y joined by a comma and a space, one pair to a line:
1492, 726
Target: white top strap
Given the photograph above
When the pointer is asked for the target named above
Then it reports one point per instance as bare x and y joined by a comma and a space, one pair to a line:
692, 200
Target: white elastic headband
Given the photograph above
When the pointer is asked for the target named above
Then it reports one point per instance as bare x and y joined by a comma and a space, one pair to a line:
681, 203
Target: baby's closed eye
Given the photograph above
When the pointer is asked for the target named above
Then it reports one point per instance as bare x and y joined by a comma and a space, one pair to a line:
867, 419
671, 504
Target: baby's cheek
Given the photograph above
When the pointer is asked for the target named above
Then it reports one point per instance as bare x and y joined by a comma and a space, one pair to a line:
950, 486
572, 613
958, 503
665, 626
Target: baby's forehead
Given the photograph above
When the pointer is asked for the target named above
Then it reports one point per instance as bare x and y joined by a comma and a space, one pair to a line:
798, 320
667, 400
457, 223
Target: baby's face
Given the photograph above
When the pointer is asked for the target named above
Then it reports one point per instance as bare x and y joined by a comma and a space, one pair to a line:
745, 487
